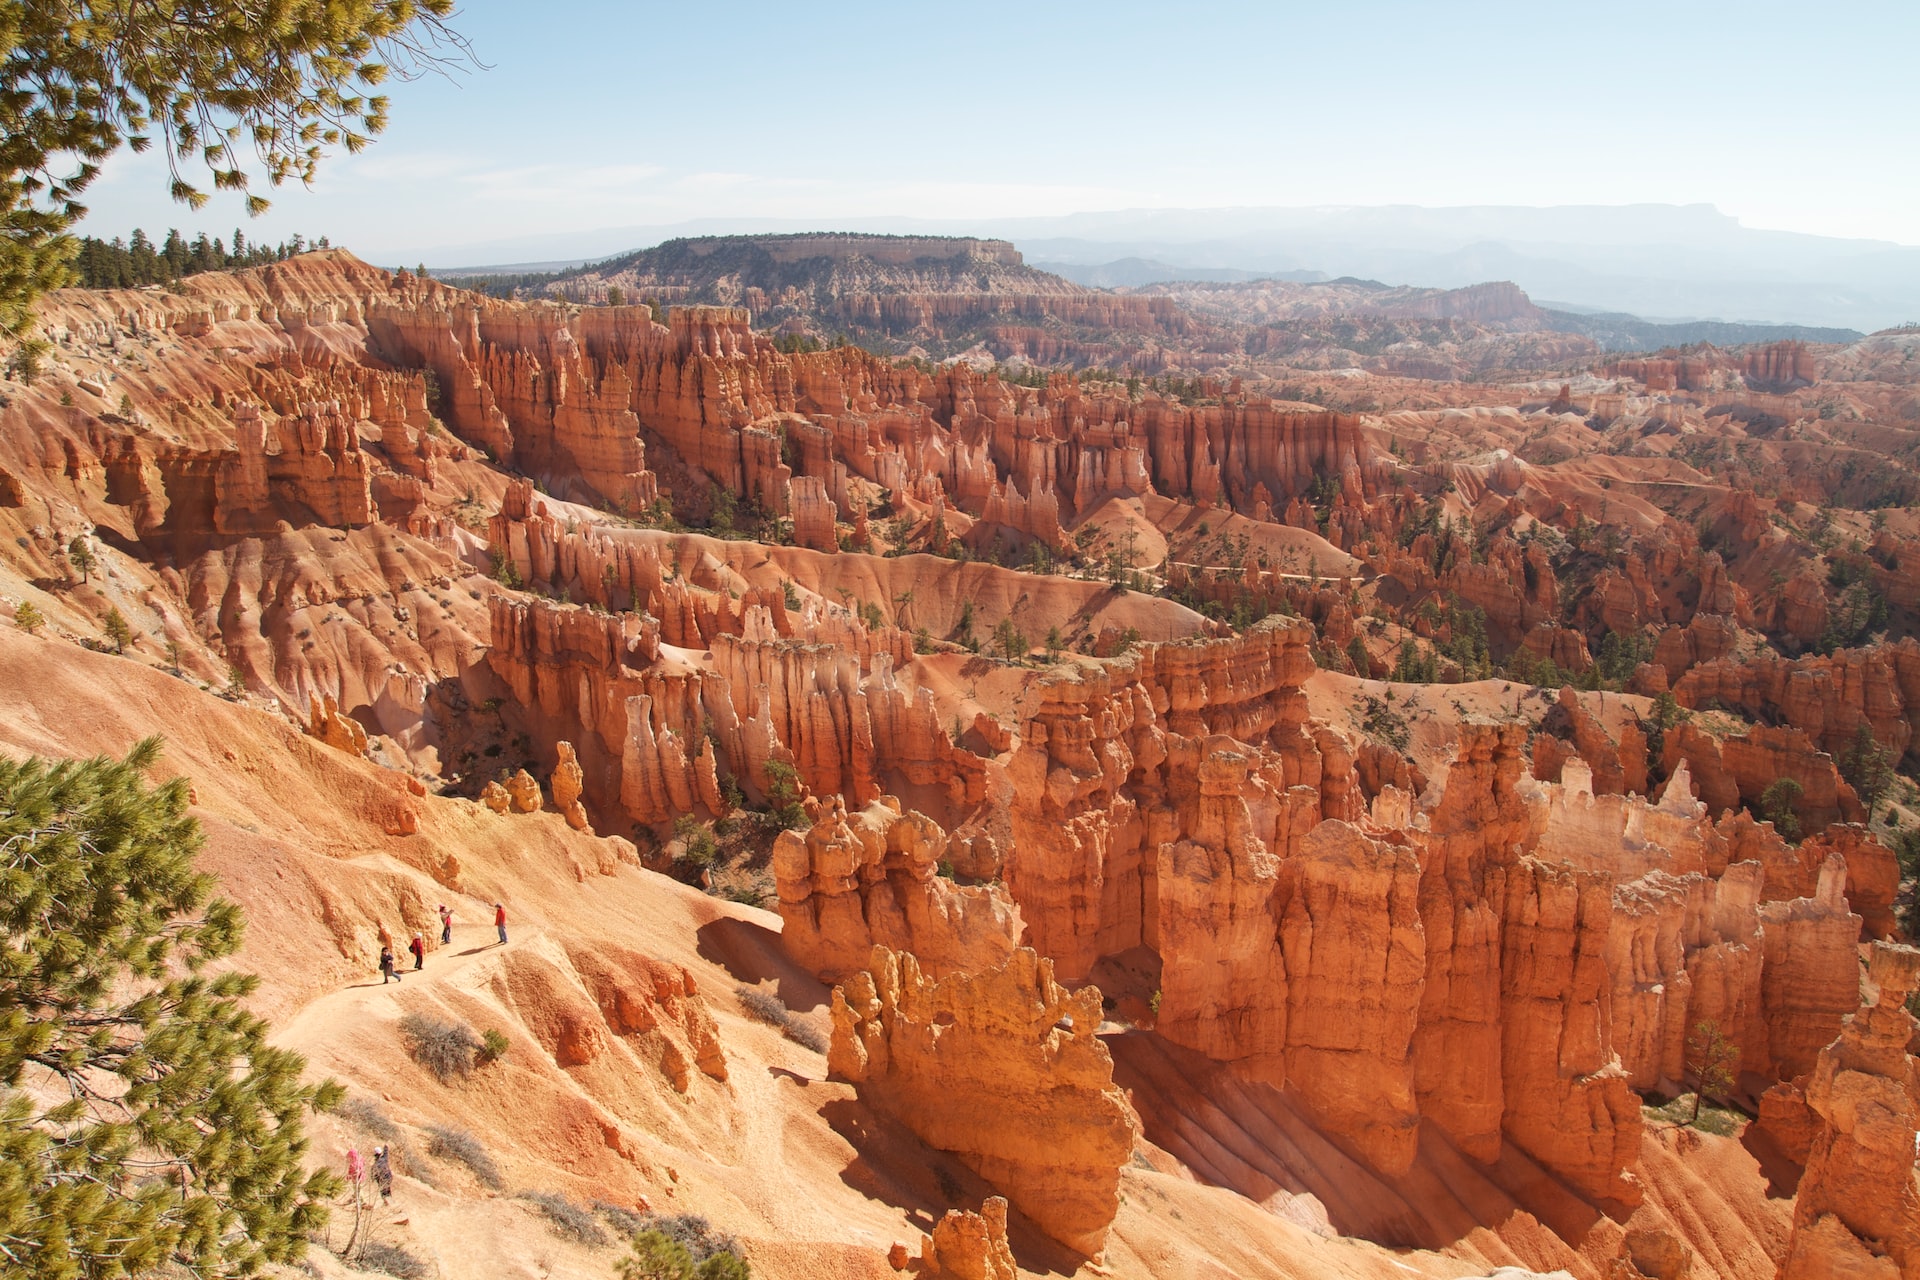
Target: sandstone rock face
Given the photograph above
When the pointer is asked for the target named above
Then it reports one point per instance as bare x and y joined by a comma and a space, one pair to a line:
1858, 1208
523, 793
1873, 874
567, 786
576, 1005
1004, 1069
657, 737
969, 1246
1736, 770
1812, 977
341, 732
870, 878
1827, 698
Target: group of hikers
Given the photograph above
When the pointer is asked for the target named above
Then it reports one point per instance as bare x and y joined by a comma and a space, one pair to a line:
389, 967
390, 972
382, 1172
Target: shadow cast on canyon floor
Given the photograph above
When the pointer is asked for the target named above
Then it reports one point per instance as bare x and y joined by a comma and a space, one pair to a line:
1782, 1174
751, 953
893, 1165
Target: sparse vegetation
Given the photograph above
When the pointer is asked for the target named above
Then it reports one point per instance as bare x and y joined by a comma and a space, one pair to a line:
118, 633
458, 1145
27, 617
567, 1218
391, 1260
698, 847
447, 1048
1384, 722
1715, 1061
783, 796
769, 1008
1868, 768
682, 1247
80, 556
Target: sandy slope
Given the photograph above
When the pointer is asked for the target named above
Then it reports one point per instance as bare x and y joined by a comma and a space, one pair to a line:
816, 1185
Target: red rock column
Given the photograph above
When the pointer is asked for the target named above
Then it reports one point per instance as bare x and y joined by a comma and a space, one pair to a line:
1858, 1212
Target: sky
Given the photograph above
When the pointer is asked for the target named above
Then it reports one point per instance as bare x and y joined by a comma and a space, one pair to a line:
599, 114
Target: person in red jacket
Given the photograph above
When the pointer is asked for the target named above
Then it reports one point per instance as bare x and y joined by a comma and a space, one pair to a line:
500, 921
419, 948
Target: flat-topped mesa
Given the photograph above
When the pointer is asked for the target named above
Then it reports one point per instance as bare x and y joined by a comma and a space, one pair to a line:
854, 881
1857, 1210
1006, 1070
884, 249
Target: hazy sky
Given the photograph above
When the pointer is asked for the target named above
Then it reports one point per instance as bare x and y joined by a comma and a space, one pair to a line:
589, 115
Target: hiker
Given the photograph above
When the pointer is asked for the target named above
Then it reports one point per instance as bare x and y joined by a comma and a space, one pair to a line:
382, 1173
446, 924
419, 950
356, 1167
500, 921
387, 973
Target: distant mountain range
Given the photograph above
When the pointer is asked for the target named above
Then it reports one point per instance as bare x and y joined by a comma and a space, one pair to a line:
1661, 263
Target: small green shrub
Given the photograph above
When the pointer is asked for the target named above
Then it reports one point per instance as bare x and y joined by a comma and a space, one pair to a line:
682, 1247
493, 1045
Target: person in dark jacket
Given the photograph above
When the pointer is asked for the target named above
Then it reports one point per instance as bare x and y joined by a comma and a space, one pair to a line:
419, 948
382, 1174
387, 973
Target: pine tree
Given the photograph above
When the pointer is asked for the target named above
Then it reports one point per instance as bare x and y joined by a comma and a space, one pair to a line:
80, 556
1868, 767
27, 617
1780, 804
144, 1118
1715, 1061
119, 634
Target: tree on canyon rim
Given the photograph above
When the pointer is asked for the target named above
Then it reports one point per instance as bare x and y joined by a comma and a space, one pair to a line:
144, 1118
78, 78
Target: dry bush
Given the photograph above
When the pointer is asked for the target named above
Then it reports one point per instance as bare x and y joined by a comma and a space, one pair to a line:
624, 1221
568, 1218
458, 1144
392, 1260
771, 1009
447, 1048
364, 1114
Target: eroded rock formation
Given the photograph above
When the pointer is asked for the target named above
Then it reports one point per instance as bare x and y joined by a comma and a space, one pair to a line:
1857, 1213
1004, 1069
871, 878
